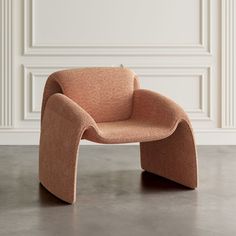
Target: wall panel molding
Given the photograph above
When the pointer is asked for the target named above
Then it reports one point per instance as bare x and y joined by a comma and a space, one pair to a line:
202, 73
228, 64
6, 64
33, 48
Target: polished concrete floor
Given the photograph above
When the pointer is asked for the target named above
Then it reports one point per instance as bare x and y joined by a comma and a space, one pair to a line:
115, 198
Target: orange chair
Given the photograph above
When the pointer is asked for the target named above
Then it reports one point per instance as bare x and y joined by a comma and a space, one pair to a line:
106, 105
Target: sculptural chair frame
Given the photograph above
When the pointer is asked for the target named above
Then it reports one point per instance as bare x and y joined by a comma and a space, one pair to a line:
106, 105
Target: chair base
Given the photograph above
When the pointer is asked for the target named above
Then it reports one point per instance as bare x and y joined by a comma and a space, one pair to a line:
58, 156
173, 158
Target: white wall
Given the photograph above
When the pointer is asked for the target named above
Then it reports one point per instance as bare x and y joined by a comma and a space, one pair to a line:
184, 49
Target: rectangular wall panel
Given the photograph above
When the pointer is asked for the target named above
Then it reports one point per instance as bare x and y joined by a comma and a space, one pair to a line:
103, 27
170, 81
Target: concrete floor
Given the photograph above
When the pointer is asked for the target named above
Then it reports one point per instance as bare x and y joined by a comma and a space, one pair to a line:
115, 198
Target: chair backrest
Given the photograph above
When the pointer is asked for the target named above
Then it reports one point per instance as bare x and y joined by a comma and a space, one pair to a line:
106, 93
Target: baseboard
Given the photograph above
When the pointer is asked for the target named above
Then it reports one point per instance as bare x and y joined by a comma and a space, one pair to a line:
215, 137
202, 137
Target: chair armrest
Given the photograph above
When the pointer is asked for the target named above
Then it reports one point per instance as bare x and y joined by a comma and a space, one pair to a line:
62, 106
154, 107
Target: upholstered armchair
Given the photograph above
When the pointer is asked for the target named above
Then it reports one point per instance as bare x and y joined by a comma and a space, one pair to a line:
106, 105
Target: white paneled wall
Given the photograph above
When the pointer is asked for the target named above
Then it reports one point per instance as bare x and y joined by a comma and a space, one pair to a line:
184, 49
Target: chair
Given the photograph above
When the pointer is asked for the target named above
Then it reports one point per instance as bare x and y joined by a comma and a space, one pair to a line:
106, 105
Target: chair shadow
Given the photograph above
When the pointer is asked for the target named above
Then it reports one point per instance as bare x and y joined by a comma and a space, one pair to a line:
151, 183
47, 199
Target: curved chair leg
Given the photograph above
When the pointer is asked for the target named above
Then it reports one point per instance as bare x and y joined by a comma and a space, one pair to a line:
58, 156
173, 158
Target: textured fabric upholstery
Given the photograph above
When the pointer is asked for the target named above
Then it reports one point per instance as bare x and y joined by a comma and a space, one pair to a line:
105, 105
105, 93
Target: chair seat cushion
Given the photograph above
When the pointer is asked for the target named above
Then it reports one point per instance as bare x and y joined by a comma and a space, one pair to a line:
128, 131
